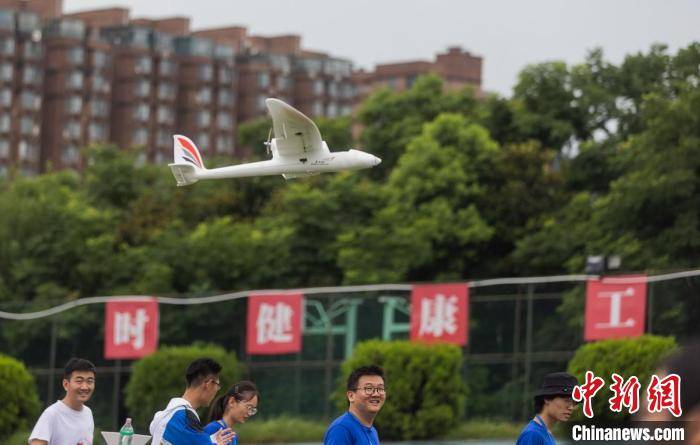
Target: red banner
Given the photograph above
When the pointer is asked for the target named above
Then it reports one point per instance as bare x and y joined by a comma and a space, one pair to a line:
274, 323
615, 307
131, 328
440, 313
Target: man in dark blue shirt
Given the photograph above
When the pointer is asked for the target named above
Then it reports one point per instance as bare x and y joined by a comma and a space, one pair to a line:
366, 394
553, 403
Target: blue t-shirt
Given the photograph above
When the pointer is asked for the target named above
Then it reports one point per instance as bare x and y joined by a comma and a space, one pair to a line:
347, 430
535, 433
216, 425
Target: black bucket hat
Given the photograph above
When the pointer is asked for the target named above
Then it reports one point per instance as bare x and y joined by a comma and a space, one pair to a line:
557, 384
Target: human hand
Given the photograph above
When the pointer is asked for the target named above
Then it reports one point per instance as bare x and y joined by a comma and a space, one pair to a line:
224, 436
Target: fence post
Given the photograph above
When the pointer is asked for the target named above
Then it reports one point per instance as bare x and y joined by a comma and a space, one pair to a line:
650, 306
52, 362
528, 351
516, 351
115, 395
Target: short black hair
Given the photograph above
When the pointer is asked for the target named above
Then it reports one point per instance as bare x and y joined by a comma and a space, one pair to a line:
78, 364
539, 402
355, 375
685, 363
200, 369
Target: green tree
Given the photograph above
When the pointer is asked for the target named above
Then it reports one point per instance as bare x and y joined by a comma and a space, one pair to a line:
20, 403
424, 388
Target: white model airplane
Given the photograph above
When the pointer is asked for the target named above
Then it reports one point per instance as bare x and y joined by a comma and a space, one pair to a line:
297, 150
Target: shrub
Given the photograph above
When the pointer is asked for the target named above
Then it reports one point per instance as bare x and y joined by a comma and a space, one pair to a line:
424, 387
161, 376
20, 402
626, 357
281, 430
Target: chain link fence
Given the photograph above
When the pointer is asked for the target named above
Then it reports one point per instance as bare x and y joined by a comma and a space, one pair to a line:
519, 330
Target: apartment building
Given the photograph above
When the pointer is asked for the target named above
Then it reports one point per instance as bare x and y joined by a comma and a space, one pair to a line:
77, 92
68, 81
458, 68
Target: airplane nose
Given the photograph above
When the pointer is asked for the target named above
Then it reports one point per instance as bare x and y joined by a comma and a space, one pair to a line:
377, 160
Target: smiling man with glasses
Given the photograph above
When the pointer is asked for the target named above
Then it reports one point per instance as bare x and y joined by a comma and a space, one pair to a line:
366, 393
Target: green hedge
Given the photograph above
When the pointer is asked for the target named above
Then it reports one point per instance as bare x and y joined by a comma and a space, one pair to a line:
425, 393
626, 357
161, 376
20, 403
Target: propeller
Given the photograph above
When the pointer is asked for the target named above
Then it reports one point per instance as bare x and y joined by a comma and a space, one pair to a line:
268, 143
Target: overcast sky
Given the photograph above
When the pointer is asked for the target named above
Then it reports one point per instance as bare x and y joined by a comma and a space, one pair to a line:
508, 34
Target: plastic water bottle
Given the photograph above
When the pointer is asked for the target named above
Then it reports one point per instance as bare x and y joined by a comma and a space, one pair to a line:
126, 433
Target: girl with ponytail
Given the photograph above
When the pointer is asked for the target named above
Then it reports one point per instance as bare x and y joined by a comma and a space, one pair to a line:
235, 406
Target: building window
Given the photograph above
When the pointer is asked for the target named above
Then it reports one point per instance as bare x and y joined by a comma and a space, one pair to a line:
332, 89
163, 138
31, 75
28, 127
32, 50
205, 73
99, 83
203, 140
332, 110
283, 82
317, 108
319, 87
204, 96
166, 91
224, 144
99, 59
28, 151
74, 105
4, 148
143, 65
99, 108
75, 80
71, 130
261, 102
226, 98
6, 97
4, 123
263, 80
166, 68
165, 115
225, 121
30, 101
97, 131
7, 46
225, 75
203, 118
143, 88
76, 56
6, 72
142, 112
140, 137
69, 154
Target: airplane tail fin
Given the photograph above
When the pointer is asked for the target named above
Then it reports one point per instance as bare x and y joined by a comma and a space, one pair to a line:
187, 160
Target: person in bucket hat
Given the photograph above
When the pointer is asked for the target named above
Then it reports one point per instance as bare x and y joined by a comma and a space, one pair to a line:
553, 403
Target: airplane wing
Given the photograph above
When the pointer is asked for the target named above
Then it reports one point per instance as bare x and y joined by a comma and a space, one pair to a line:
295, 134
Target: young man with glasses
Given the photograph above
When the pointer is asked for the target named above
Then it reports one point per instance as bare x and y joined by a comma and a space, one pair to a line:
69, 421
553, 403
366, 393
179, 423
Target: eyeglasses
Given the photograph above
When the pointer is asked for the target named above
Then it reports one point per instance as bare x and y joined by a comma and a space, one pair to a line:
570, 402
216, 382
369, 390
251, 410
